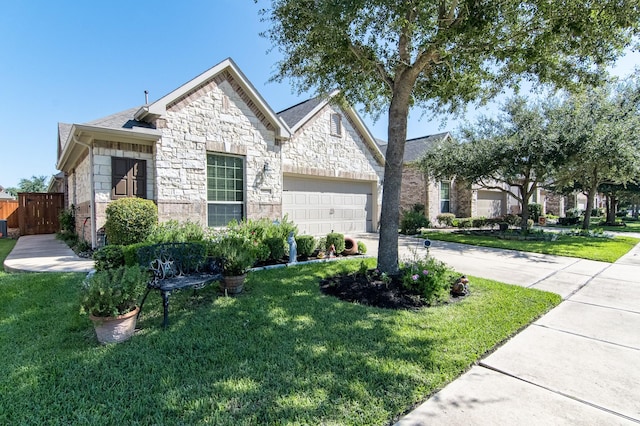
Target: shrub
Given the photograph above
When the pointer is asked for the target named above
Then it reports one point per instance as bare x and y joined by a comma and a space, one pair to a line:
568, 221
173, 231
113, 292
446, 219
362, 247
130, 220
67, 219
337, 240
535, 211
108, 257
428, 276
262, 252
130, 253
622, 213
513, 220
479, 222
575, 212
306, 245
463, 222
237, 252
412, 221
277, 247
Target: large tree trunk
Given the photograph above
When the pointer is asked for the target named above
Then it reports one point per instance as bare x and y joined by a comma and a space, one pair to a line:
612, 203
390, 214
591, 196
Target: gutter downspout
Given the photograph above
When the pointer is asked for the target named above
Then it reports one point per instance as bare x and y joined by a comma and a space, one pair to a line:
92, 199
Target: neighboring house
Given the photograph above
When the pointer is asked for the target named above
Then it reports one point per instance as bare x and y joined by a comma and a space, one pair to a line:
445, 196
4, 195
213, 150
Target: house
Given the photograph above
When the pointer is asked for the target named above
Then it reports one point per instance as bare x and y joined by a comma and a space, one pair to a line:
4, 195
213, 150
445, 196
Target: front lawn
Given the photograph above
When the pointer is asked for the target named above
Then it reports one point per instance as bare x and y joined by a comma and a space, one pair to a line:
280, 353
602, 249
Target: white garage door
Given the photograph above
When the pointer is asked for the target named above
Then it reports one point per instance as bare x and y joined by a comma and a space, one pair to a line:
320, 206
490, 204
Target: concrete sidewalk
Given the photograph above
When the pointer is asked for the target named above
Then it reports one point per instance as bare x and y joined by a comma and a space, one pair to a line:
44, 253
577, 365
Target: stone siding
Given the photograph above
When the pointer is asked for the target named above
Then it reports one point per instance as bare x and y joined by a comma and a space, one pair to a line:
215, 119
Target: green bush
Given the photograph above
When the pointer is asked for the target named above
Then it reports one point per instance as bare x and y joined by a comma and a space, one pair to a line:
362, 247
479, 222
67, 219
108, 257
130, 253
337, 240
306, 245
173, 231
262, 252
463, 222
446, 219
237, 252
535, 211
130, 220
113, 292
430, 277
412, 221
277, 247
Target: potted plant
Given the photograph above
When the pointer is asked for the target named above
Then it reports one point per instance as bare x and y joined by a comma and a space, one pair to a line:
237, 254
110, 298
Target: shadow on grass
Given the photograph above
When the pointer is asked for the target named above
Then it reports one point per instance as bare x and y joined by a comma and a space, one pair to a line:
279, 353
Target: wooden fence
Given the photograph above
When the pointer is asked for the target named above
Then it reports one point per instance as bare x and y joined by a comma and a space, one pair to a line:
9, 212
38, 212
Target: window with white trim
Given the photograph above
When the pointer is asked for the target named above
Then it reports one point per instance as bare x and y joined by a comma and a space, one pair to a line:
225, 189
336, 125
445, 190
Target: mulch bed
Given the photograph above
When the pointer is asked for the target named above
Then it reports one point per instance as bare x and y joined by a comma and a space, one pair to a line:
357, 288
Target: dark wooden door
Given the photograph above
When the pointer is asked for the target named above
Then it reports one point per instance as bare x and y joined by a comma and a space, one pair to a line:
38, 212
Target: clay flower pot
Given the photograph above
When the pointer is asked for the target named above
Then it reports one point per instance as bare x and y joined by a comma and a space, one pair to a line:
115, 329
232, 284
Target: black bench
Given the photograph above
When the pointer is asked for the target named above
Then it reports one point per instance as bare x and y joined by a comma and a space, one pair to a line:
176, 266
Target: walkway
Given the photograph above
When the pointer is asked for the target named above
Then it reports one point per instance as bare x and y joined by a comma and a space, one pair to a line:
577, 365
44, 253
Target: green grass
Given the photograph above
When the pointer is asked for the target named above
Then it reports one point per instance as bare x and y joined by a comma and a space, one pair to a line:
601, 249
280, 353
6, 245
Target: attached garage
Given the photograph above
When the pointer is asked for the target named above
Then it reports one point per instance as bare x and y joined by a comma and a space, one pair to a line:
319, 206
491, 204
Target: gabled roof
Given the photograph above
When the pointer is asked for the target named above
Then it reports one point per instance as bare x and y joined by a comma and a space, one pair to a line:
159, 108
297, 113
415, 149
296, 116
121, 125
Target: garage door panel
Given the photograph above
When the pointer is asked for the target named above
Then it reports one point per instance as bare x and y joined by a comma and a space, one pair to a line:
327, 205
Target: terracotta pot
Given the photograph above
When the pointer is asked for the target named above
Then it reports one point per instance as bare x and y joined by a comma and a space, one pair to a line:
233, 284
115, 329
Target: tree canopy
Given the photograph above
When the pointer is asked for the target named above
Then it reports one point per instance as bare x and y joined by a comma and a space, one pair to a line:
34, 184
439, 55
604, 122
516, 152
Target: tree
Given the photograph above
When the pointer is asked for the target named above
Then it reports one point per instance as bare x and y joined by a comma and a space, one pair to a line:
515, 153
439, 55
35, 184
604, 122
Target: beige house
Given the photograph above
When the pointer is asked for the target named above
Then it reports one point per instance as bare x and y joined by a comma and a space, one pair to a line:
213, 150
446, 196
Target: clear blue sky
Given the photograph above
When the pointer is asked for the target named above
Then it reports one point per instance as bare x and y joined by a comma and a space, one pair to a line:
75, 61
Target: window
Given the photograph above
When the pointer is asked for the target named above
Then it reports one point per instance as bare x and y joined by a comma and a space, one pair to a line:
445, 188
128, 178
336, 125
225, 189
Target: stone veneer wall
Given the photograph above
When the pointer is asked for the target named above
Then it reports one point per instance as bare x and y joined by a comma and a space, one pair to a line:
216, 118
314, 151
465, 200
